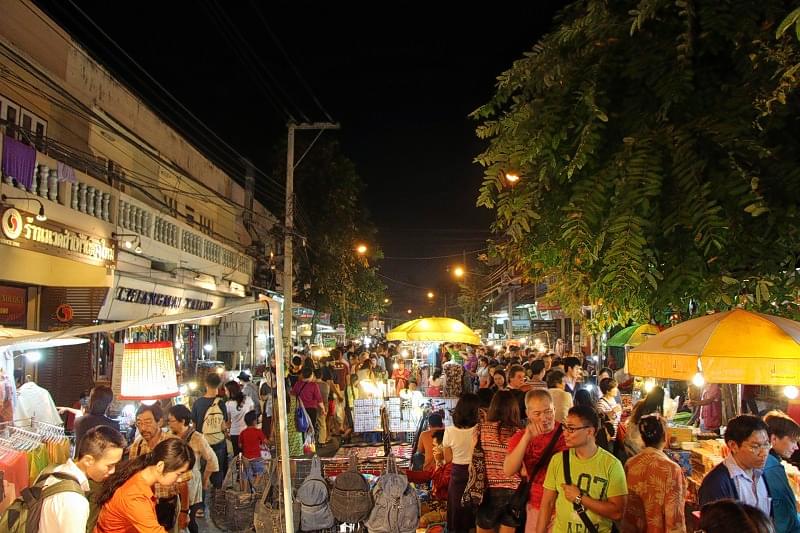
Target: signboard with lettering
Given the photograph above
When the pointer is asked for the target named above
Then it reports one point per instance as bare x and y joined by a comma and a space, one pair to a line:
139, 296
13, 307
25, 232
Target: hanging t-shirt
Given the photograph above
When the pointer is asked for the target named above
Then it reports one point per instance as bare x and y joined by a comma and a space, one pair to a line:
600, 477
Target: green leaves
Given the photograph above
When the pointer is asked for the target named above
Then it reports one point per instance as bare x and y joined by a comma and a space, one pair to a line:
660, 165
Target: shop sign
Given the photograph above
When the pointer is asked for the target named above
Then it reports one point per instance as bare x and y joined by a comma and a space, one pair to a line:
303, 312
13, 306
138, 296
21, 231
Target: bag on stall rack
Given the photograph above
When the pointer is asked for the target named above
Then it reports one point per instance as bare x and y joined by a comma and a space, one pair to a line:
396, 508
312, 494
351, 500
23, 515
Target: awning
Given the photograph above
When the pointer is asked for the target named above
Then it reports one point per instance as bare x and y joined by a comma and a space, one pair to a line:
153, 320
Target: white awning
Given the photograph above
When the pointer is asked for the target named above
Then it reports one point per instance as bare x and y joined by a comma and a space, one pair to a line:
153, 320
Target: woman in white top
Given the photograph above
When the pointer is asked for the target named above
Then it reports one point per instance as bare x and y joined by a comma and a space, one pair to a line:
238, 405
608, 403
458, 443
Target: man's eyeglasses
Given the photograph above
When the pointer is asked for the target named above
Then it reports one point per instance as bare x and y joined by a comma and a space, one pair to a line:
573, 429
758, 447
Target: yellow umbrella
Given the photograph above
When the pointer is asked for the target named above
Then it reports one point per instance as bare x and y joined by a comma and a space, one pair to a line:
434, 329
731, 347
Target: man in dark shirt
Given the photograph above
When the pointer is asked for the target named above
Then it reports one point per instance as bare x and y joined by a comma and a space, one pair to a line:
199, 409
99, 400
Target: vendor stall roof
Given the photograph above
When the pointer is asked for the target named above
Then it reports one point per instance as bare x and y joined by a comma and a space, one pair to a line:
735, 346
155, 320
434, 329
22, 339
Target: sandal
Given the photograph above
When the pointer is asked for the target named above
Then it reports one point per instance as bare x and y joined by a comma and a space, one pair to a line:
200, 513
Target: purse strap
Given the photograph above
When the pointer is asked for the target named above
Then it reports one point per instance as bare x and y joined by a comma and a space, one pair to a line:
580, 509
545, 458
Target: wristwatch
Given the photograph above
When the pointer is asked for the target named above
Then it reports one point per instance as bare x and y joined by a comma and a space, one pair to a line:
577, 501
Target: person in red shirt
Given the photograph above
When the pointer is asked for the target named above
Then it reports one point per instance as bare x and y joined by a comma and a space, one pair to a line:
527, 448
250, 441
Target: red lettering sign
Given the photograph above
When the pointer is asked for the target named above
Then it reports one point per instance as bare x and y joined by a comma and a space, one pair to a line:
13, 306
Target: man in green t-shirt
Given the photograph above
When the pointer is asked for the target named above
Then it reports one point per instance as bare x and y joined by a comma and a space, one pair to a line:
598, 480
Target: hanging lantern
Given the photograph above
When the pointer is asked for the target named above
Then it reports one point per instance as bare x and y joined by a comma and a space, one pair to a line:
148, 371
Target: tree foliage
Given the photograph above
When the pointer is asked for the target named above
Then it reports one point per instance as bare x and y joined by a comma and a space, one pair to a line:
331, 220
658, 146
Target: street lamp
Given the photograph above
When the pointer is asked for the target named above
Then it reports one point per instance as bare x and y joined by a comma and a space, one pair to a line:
409, 311
386, 300
458, 272
430, 295
512, 177
361, 249
40, 216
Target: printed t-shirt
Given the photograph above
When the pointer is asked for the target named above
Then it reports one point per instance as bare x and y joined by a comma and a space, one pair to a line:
533, 454
236, 414
494, 441
250, 442
341, 369
600, 477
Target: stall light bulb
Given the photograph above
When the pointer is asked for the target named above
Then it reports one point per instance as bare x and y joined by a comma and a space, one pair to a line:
589, 387
648, 385
184, 390
208, 347
129, 411
192, 385
791, 392
33, 357
149, 402
404, 353
698, 380
395, 366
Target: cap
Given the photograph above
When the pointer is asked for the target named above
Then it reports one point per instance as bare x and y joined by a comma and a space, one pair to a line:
244, 376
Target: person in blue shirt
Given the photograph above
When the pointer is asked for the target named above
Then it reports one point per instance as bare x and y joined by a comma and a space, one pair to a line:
783, 435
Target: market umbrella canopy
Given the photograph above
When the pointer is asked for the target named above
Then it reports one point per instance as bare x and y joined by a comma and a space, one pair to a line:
732, 347
434, 329
633, 335
26, 339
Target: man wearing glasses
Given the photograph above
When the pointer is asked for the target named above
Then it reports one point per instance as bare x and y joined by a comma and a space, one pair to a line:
533, 447
740, 475
598, 490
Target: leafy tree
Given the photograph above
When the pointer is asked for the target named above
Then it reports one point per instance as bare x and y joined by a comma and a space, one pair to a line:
658, 146
331, 276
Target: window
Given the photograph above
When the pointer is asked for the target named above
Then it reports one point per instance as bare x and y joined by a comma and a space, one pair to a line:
33, 123
189, 215
206, 225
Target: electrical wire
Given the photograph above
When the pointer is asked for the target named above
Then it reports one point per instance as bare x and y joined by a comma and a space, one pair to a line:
289, 61
397, 258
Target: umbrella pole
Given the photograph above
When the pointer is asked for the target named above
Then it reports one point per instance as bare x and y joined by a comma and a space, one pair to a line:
739, 396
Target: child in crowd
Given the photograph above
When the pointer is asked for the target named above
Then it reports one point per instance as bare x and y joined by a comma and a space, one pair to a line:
251, 439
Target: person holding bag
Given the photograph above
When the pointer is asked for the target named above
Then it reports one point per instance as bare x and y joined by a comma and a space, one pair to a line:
585, 484
531, 448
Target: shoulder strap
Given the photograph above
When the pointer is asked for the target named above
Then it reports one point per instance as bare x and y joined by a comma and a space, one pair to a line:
580, 509
565, 460
545, 458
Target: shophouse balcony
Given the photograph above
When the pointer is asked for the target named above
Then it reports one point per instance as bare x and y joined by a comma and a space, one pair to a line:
74, 189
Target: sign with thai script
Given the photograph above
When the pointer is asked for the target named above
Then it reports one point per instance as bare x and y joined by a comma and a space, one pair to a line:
13, 306
143, 297
24, 231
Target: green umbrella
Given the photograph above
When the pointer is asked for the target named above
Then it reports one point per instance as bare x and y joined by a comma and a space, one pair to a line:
632, 335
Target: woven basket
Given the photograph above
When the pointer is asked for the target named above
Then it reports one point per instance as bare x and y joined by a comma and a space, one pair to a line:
233, 505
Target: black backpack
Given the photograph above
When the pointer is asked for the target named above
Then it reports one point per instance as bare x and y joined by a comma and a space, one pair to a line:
351, 499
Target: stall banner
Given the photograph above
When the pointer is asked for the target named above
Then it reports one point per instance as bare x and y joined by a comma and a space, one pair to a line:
13, 306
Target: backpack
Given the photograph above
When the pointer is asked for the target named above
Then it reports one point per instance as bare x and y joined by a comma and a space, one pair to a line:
351, 500
213, 423
23, 515
312, 494
396, 508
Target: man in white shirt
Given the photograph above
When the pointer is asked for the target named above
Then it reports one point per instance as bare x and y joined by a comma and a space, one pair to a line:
96, 458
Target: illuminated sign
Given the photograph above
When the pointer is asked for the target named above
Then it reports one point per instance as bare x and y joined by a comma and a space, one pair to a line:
21, 232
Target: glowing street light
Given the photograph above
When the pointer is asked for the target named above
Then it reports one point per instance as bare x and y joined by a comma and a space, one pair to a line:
430, 295
512, 177
458, 272
409, 311
361, 249
386, 300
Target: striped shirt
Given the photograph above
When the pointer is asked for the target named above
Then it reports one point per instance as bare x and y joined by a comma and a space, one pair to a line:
494, 441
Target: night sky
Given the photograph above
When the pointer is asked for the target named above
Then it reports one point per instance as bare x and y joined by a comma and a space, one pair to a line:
401, 79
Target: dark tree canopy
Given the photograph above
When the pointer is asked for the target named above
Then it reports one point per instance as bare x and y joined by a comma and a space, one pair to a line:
659, 152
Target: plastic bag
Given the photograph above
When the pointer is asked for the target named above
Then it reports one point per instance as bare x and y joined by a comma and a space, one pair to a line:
309, 448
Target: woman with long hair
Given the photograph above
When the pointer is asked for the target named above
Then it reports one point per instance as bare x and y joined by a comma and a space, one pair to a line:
501, 423
458, 444
723, 516
656, 486
126, 498
652, 403
238, 405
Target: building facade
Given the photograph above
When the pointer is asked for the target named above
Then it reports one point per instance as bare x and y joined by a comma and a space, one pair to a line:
139, 221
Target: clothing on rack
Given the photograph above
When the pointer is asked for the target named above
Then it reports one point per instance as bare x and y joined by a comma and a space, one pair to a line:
35, 402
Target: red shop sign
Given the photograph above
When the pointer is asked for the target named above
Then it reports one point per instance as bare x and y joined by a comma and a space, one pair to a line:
13, 306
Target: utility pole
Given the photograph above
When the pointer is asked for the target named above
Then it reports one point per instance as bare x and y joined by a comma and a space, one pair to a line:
288, 286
